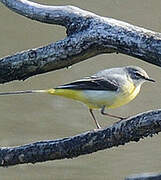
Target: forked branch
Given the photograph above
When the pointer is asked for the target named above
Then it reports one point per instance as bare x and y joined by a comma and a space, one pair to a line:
132, 129
87, 35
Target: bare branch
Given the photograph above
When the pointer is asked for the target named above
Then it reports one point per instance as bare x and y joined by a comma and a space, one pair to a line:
87, 35
132, 129
61, 15
57, 55
145, 176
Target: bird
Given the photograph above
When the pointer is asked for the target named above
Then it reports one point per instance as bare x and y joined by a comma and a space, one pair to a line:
107, 89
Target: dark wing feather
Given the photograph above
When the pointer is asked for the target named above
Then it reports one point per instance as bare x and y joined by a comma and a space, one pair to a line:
90, 84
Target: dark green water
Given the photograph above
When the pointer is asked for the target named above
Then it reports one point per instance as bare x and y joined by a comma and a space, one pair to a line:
26, 119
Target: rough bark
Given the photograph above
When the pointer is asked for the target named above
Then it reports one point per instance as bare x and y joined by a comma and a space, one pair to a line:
87, 35
132, 129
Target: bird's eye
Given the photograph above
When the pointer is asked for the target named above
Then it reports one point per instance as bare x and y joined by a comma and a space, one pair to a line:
139, 75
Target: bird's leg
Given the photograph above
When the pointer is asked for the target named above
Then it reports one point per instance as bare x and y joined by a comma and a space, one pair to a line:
96, 122
104, 113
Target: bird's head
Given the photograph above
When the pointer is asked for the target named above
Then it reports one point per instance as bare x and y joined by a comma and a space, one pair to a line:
137, 75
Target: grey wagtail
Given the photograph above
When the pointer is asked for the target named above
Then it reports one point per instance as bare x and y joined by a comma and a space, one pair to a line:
109, 88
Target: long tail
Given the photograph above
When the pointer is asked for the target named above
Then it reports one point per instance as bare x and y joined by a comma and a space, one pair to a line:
50, 91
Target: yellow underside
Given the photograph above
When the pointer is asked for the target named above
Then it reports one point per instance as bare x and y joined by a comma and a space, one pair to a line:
68, 93
111, 100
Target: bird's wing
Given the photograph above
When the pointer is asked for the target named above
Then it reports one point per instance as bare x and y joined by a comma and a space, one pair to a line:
91, 84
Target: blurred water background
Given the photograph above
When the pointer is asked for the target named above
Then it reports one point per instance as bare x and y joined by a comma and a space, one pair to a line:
30, 118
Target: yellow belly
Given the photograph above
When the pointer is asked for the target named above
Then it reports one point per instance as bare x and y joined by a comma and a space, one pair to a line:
125, 98
98, 99
129, 92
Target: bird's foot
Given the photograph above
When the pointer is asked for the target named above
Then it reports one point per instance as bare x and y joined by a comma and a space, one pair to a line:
95, 130
121, 119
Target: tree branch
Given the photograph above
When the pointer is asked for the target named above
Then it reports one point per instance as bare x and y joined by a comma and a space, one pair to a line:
61, 15
145, 176
132, 129
87, 35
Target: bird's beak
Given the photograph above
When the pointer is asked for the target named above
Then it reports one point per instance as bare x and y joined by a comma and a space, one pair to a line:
149, 79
